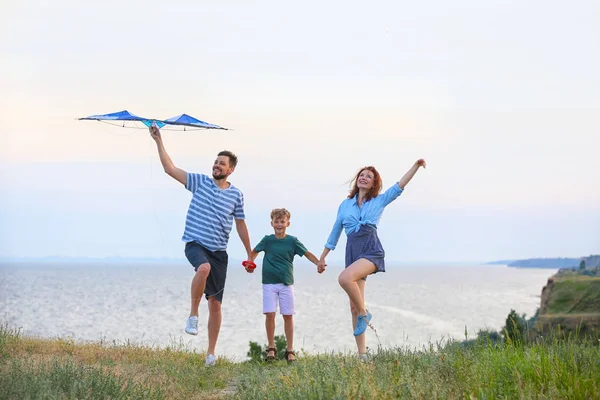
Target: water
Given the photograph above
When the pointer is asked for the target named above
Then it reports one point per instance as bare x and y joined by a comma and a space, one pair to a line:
149, 304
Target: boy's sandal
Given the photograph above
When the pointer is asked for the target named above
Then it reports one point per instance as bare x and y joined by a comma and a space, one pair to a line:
287, 356
271, 349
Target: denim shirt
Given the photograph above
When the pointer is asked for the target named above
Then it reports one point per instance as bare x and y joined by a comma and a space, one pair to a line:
351, 217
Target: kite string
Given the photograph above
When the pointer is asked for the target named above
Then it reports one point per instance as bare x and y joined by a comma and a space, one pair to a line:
112, 133
122, 125
164, 128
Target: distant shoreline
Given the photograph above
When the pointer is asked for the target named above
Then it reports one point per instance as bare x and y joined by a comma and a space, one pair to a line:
539, 263
110, 260
127, 260
549, 263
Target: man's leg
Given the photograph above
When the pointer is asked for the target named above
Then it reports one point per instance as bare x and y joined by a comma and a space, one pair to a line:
214, 323
198, 285
215, 287
197, 257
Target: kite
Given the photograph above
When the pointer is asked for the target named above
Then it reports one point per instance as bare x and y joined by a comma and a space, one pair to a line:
182, 120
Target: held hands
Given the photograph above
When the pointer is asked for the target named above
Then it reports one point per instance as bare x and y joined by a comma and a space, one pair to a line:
321, 266
249, 266
421, 163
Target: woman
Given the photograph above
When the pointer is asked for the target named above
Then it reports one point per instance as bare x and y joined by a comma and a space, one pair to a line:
359, 215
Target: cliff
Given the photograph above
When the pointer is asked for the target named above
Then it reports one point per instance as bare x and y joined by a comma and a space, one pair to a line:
570, 303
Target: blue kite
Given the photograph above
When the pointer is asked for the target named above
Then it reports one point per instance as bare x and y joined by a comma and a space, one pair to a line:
188, 120
183, 120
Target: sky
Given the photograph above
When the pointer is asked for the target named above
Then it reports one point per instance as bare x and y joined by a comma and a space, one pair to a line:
501, 98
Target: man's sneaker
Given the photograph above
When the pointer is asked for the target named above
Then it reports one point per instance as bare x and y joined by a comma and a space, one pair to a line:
363, 358
191, 328
210, 360
362, 323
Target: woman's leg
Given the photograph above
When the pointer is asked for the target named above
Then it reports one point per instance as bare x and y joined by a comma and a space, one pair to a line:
349, 278
361, 340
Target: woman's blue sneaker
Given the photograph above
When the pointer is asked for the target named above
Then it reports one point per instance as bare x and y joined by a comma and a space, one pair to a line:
362, 323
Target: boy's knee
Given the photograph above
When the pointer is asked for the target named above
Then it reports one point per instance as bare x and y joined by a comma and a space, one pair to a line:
288, 317
270, 315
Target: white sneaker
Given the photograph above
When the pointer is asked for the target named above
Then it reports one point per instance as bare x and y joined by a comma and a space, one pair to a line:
191, 328
211, 360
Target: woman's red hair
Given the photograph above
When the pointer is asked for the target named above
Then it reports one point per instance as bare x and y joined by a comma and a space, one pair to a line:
376, 184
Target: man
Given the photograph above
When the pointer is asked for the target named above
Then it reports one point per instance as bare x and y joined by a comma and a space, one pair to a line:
215, 204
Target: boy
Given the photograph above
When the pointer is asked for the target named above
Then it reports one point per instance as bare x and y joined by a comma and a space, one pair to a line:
278, 278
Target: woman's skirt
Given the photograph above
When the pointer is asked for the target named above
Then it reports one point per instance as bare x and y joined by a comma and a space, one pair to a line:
365, 244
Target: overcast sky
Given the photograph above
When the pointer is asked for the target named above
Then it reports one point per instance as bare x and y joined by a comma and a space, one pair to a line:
502, 98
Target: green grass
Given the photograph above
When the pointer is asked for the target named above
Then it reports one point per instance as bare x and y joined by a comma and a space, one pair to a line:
573, 307
542, 370
32, 368
28, 379
575, 295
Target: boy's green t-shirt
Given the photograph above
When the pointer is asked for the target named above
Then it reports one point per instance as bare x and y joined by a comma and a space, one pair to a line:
278, 262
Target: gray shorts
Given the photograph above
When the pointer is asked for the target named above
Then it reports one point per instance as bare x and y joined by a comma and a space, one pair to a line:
215, 282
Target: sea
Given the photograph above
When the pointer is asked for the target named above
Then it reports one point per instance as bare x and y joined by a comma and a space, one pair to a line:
147, 304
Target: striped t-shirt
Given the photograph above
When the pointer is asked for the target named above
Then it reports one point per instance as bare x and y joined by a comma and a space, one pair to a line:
212, 210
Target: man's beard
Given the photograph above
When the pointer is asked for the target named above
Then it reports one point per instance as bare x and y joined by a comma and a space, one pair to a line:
219, 176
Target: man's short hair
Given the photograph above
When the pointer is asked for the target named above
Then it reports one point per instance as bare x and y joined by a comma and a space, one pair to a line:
280, 213
232, 157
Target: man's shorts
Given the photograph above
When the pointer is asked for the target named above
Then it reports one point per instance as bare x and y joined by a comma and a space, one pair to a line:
215, 282
272, 292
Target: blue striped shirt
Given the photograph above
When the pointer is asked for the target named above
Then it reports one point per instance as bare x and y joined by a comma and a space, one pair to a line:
212, 210
350, 216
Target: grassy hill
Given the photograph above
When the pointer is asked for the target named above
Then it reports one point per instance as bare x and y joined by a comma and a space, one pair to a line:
43, 368
570, 303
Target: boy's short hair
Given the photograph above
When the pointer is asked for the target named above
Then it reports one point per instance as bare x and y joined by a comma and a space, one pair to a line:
280, 213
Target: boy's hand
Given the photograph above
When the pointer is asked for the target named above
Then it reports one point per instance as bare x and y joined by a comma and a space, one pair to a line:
249, 266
